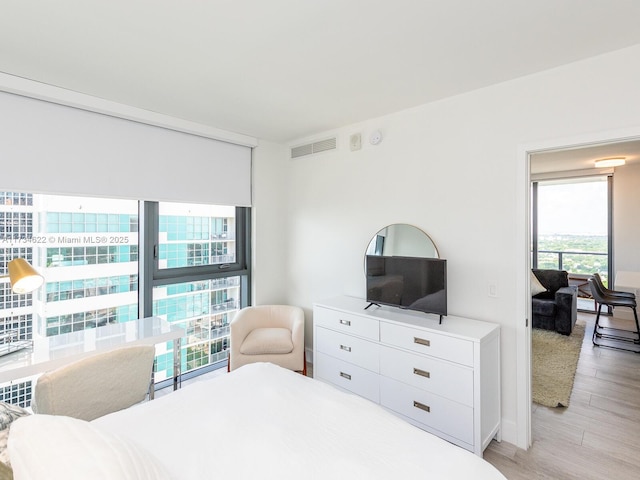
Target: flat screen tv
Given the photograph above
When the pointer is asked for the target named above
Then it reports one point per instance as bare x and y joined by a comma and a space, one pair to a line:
412, 283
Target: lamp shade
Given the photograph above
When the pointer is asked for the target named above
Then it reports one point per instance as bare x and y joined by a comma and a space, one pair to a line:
23, 276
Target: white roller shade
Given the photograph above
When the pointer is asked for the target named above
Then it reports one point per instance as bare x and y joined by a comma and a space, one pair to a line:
52, 148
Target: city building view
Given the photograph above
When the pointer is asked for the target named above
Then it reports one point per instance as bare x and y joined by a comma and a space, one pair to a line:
87, 249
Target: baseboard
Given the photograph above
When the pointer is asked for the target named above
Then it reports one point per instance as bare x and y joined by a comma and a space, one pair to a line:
509, 433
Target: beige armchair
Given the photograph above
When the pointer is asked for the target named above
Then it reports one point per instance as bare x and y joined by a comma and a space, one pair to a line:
268, 333
97, 385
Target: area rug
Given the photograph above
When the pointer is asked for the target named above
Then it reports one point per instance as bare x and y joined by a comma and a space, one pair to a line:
555, 359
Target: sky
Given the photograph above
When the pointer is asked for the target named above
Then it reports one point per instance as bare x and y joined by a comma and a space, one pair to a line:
574, 208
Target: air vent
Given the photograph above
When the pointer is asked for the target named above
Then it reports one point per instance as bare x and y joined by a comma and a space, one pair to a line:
302, 150
316, 147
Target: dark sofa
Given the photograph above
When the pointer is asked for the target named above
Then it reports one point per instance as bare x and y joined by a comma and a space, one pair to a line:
556, 309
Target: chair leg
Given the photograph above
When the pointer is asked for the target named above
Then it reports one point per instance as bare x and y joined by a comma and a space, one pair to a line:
620, 337
596, 325
304, 359
635, 315
304, 364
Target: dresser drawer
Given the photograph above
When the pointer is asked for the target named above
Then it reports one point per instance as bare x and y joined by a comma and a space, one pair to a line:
428, 343
448, 380
348, 348
439, 413
348, 376
347, 323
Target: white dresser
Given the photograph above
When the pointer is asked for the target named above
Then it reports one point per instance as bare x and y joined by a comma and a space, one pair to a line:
442, 378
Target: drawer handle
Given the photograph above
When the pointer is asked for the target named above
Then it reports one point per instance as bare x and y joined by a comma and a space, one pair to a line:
345, 322
422, 406
345, 348
422, 341
422, 373
345, 375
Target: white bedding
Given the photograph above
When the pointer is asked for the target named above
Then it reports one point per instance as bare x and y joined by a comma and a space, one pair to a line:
55, 447
262, 421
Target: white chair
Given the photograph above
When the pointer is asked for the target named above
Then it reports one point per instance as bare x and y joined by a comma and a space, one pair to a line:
97, 385
268, 333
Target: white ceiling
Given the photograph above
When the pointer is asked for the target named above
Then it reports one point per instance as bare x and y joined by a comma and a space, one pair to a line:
286, 69
583, 158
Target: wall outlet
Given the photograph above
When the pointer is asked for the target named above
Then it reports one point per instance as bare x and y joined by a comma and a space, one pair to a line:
355, 142
493, 290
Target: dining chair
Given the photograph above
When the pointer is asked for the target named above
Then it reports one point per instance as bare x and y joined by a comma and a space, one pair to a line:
619, 335
608, 291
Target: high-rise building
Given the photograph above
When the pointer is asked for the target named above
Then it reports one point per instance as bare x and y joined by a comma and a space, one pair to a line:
88, 251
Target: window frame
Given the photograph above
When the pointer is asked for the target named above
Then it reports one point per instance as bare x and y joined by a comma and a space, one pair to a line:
148, 272
150, 275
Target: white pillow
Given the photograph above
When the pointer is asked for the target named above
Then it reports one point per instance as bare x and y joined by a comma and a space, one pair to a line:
56, 447
536, 286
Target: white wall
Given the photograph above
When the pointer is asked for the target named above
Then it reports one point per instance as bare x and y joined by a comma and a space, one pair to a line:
269, 215
626, 210
452, 168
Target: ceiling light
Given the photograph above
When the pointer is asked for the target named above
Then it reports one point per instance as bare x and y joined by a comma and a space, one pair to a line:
610, 162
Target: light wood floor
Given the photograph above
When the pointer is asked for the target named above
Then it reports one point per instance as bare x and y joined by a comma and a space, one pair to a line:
596, 437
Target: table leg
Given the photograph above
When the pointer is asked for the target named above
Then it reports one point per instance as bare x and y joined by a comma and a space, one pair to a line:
152, 386
177, 364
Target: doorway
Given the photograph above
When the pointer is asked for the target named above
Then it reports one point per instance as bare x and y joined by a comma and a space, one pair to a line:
575, 155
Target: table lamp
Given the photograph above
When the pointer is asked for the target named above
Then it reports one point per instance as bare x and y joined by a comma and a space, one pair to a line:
24, 278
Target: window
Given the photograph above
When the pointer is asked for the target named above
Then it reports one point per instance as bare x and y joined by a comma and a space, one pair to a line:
16, 225
191, 235
204, 309
79, 257
572, 226
571, 229
191, 269
200, 277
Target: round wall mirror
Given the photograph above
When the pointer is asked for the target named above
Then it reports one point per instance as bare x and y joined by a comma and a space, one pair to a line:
402, 240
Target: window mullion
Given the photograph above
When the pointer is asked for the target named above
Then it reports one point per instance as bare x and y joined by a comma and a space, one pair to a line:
147, 263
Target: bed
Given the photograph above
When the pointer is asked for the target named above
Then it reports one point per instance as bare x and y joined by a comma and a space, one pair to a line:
259, 421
